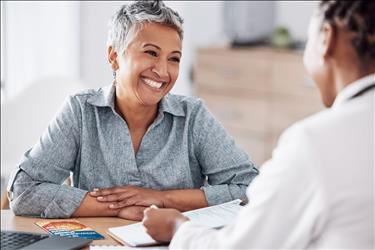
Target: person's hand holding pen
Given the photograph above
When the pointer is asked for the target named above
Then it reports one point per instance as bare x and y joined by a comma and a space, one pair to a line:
161, 224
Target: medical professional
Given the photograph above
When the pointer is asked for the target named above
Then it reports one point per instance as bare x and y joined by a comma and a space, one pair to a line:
317, 190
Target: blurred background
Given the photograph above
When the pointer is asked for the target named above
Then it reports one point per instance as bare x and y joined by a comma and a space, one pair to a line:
243, 58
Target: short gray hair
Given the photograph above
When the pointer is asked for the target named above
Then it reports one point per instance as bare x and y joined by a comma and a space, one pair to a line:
127, 21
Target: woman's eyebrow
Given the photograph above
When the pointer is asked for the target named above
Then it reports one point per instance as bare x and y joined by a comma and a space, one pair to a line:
177, 51
153, 45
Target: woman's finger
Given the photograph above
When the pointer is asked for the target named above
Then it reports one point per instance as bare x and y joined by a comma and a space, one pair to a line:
109, 198
107, 191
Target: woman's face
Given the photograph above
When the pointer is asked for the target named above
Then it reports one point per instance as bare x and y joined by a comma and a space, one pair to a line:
315, 63
148, 68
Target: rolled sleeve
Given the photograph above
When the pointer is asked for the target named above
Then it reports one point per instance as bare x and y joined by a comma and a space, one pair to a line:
44, 200
228, 168
217, 194
37, 188
65, 201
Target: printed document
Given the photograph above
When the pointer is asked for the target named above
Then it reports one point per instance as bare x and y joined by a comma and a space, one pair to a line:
214, 216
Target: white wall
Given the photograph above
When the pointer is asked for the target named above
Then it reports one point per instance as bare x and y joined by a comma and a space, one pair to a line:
203, 27
94, 16
295, 15
41, 40
2, 43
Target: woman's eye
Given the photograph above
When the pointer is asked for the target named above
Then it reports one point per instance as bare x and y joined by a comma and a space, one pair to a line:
175, 59
151, 53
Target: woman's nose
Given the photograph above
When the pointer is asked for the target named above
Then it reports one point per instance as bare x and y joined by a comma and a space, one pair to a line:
161, 68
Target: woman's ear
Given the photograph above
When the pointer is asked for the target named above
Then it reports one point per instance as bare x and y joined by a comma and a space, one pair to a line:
112, 58
327, 40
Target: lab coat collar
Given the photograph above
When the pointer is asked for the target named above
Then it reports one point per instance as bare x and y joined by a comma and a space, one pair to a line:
353, 89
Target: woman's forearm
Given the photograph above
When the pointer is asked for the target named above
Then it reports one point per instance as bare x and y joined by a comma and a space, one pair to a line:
127, 196
91, 207
184, 200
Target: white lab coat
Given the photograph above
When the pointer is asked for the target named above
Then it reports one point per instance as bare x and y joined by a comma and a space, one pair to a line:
317, 191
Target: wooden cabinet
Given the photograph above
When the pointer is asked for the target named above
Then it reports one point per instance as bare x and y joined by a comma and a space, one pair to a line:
255, 93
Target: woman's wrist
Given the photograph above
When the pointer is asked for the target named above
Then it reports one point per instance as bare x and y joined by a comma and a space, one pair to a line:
90, 207
183, 200
164, 199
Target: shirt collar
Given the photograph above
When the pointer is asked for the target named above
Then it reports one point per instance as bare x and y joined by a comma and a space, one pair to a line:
171, 105
105, 97
354, 88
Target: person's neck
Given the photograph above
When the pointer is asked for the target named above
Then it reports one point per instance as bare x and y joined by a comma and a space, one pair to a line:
137, 116
347, 76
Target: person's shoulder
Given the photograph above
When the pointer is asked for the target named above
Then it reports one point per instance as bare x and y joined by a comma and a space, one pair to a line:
85, 94
183, 100
315, 120
90, 95
333, 120
334, 123
185, 104
307, 126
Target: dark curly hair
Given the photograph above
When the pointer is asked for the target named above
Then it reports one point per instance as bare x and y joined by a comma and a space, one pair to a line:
357, 17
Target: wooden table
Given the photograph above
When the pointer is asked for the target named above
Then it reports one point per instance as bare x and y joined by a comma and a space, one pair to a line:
27, 224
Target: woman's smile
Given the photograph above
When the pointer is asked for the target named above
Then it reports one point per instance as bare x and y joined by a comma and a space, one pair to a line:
154, 85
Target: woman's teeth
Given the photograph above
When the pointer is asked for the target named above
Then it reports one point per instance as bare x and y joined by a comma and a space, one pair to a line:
153, 84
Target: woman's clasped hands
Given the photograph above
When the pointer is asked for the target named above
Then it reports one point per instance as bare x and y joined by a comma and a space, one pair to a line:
131, 201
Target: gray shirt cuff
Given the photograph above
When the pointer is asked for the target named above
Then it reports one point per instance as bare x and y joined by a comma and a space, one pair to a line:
67, 199
217, 194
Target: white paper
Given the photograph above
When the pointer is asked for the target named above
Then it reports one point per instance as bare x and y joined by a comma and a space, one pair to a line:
214, 216
110, 247
134, 234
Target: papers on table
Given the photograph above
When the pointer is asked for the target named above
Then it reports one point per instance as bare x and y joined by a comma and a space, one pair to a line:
112, 247
214, 216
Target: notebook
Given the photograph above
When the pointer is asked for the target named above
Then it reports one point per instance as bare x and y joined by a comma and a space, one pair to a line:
215, 216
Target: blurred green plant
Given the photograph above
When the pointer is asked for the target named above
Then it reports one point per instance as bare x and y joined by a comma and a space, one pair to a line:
281, 38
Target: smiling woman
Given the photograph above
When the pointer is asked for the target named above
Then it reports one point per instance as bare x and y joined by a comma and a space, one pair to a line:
149, 67
132, 144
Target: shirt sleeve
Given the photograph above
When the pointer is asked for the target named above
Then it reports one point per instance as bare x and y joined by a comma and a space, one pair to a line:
228, 168
36, 186
287, 208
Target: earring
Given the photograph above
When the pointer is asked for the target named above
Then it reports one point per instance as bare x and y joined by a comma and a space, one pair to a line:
114, 77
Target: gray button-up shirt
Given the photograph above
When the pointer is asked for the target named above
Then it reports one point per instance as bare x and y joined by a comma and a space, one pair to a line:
182, 147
